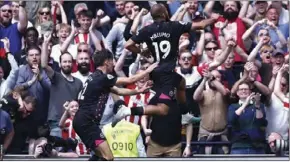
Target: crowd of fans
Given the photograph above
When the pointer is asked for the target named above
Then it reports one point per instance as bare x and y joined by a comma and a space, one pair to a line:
236, 72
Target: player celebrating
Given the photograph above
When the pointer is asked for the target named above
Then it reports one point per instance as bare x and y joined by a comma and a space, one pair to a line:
162, 39
93, 98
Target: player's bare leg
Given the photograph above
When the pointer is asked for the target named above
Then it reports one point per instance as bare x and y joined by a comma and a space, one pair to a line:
103, 152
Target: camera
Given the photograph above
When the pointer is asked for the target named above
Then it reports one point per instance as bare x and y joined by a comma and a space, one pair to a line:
281, 145
47, 150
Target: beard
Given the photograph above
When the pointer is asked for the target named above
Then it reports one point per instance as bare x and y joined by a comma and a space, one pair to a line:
231, 15
84, 68
66, 71
5, 22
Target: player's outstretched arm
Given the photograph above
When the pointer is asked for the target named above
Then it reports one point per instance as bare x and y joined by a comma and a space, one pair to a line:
131, 46
125, 91
132, 79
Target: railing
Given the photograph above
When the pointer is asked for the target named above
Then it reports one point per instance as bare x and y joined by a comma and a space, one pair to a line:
264, 157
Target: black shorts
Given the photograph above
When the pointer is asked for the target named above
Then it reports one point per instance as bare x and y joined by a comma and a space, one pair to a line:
165, 87
88, 130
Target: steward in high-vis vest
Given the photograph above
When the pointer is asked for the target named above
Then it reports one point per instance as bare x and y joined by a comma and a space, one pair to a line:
124, 139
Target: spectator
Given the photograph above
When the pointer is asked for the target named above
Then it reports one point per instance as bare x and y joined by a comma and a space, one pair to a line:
283, 13
260, 8
15, 14
273, 19
138, 99
87, 33
213, 122
235, 27
7, 85
65, 34
58, 94
277, 112
40, 150
35, 80
83, 64
19, 106
43, 17
32, 8
7, 131
66, 124
12, 31
248, 120
192, 79
116, 33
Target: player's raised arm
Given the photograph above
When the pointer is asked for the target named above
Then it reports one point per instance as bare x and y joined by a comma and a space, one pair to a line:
131, 46
136, 77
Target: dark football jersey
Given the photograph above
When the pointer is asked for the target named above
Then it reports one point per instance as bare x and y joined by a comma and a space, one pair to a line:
94, 95
162, 39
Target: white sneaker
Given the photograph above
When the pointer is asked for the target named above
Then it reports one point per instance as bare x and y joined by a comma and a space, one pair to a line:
121, 114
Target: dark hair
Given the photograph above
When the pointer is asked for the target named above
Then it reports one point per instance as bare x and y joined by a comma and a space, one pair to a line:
31, 29
64, 54
286, 76
99, 57
86, 13
33, 47
211, 41
157, 11
128, 2
30, 99
271, 7
245, 82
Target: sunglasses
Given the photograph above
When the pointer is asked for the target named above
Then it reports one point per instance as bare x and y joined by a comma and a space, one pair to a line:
210, 49
186, 58
82, 50
263, 34
10, 11
42, 13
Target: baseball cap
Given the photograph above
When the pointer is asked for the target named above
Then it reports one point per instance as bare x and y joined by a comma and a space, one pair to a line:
260, 2
278, 52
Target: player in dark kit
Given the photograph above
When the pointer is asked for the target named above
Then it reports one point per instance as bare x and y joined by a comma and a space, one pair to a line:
162, 39
93, 98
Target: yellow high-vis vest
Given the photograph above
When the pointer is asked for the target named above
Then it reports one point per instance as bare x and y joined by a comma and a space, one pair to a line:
122, 138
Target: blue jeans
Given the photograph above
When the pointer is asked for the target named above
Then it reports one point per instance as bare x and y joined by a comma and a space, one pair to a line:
247, 151
54, 129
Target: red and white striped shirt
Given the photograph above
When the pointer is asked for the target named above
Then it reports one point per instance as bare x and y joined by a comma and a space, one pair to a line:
85, 38
69, 132
137, 100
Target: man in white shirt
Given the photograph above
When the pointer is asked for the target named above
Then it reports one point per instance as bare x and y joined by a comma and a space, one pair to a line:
83, 64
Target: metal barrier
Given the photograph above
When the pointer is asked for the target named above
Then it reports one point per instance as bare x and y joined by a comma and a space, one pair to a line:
264, 157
